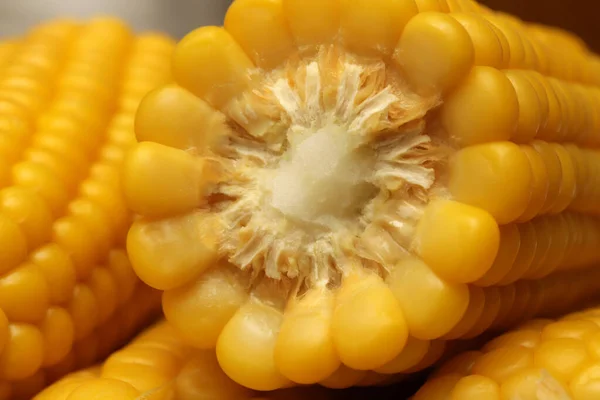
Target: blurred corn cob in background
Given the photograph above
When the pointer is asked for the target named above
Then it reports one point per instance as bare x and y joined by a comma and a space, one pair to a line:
68, 294
158, 366
541, 359
342, 186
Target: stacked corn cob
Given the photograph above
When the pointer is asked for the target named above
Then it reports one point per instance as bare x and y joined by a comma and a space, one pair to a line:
68, 94
541, 359
334, 189
158, 366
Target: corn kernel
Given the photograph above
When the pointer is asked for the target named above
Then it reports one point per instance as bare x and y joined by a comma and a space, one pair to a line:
428, 39
374, 27
484, 108
259, 26
312, 22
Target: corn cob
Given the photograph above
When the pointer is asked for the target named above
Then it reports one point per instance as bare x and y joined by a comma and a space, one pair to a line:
337, 187
541, 359
158, 366
68, 94
124, 324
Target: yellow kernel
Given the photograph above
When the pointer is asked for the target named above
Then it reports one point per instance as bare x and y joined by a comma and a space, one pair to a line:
478, 172
95, 220
458, 241
222, 61
259, 26
120, 268
74, 237
562, 358
343, 377
476, 387
103, 286
58, 270
580, 329
501, 363
414, 351
434, 51
488, 49
24, 294
104, 388
539, 184
483, 108
23, 353
304, 351
439, 388
30, 212
200, 309
568, 188
437, 349
530, 383
460, 364
373, 27
431, 306
368, 325
168, 253
530, 118
313, 22
174, 117
246, 345
513, 39
57, 329
471, 315
491, 309
180, 189
529, 338
83, 308
14, 244
202, 377
508, 252
584, 385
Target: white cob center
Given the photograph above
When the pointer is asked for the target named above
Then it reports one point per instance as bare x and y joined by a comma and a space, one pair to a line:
325, 176
332, 148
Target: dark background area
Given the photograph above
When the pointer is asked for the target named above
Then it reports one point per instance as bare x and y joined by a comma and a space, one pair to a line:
578, 16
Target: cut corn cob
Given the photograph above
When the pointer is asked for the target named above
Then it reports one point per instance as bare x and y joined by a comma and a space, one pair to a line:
541, 359
68, 94
331, 190
158, 366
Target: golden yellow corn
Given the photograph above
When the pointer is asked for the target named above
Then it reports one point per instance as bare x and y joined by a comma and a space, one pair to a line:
333, 189
7, 49
158, 366
68, 95
121, 326
541, 359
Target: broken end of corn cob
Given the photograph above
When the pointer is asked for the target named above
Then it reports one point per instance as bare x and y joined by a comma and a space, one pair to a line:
349, 184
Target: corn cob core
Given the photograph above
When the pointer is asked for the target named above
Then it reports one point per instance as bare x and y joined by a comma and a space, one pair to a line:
541, 359
344, 184
292, 205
